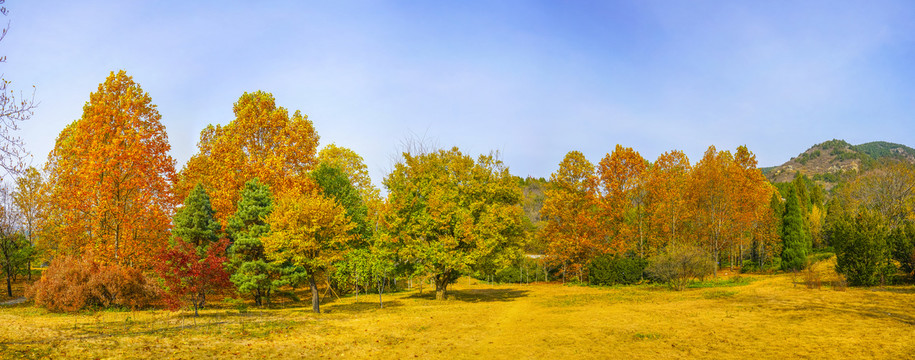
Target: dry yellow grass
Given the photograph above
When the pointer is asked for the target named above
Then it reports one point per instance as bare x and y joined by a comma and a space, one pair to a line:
771, 317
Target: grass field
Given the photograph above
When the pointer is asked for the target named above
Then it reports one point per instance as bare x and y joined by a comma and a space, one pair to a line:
759, 317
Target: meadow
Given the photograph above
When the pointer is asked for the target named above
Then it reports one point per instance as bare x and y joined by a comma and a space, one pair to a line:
733, 316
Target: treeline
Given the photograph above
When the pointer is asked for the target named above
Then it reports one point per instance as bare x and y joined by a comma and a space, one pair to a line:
627, 206
259, 210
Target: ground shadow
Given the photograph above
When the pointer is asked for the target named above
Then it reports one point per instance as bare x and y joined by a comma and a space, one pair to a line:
357, 307
476, 295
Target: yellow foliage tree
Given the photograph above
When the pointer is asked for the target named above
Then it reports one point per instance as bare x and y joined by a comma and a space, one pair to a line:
450, 215
110, 177
263, 142
307, 230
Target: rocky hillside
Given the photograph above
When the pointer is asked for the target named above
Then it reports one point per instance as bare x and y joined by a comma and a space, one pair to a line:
827, 162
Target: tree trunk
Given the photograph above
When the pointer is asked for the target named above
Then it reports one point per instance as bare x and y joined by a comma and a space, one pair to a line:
441, 284
380, 291
315, 297
9, 285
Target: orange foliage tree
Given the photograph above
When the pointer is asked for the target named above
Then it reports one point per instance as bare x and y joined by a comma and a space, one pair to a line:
263, 142
110, 177
668, 185
571, 215
622, 176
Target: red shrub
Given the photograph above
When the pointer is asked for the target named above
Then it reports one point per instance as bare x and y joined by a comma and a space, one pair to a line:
72, 284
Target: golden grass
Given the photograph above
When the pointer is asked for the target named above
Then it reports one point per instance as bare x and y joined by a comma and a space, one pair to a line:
771, 317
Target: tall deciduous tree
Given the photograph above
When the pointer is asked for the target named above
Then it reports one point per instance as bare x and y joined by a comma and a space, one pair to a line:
309, 231
622, 177
29, 199
571, 215
110, 176
714, 201
15, 251
453, 214
668, 185
263, 142
354, 167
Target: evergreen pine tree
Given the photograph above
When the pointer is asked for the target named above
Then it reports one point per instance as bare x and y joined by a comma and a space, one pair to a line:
252, 272
194, 222
794, 235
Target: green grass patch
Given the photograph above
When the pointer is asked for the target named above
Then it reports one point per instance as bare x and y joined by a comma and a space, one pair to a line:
722, 282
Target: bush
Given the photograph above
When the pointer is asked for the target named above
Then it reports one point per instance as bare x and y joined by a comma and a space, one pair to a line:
612, 270
678, 266
72, 284
748, 267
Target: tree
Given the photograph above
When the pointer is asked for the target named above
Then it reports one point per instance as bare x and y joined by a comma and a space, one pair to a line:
335, 184
667, 188
713, 199
29, 200
15, 251
863, 251
622, 186
189, 276
263, 142
353, 166
194, 222
253, 272
13, 111
452, 214
570, 215
110, 177
794, 236
307, 230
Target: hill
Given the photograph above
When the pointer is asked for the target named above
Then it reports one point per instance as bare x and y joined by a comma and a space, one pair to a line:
829, 161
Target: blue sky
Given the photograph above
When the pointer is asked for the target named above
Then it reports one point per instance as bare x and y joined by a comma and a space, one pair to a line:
531, 79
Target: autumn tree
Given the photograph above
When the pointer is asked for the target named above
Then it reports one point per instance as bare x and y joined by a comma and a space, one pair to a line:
713, 199
335, 184
110, 177
452, 214
570, 215
29, 199
15, 251
667, 189
189, 276
622, 175
307, 230
264, 142
352, 164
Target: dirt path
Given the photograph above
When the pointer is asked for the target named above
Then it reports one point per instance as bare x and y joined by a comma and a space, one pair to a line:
15, 301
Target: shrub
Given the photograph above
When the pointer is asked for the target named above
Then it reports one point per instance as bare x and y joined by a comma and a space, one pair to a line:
71, 284
812, 278
612, 270
749, 266
678, 266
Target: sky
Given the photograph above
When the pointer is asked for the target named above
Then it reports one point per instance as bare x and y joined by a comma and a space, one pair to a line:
530, 79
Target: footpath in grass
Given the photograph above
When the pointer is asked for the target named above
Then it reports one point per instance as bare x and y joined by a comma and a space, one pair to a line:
764, 316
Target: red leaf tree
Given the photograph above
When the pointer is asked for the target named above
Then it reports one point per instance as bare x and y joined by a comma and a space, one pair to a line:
190, 275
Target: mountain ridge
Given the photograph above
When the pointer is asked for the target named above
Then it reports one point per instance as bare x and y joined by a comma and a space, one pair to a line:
828, 161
